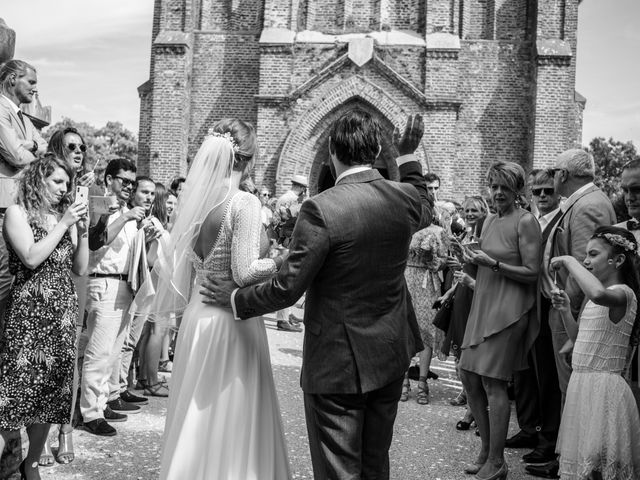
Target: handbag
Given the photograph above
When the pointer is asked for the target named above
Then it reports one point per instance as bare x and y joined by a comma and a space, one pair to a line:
442, 320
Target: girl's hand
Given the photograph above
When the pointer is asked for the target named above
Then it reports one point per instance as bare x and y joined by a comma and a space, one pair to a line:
74, 213
560, 300
558, 263
453, 263
86, 180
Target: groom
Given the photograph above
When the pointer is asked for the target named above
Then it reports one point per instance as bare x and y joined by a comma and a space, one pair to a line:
348, 252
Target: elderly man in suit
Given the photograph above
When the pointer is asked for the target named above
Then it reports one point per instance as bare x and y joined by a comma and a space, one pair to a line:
348, 252
20, 141
586, 207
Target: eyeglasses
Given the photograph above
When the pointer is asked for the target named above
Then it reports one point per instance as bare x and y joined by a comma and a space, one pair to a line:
125, 181
73, 146
538, 191
264, 194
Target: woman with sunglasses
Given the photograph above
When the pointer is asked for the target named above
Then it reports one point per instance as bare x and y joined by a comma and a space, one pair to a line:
69, 145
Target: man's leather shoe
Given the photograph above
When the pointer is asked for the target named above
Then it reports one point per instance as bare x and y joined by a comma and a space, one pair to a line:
295, 320
521, 440
545, 471
288, 327
112, 416
539, 456
100, 427
120, 406
129, 397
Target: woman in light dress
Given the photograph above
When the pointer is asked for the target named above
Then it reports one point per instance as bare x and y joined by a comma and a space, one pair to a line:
600, 425
223, 419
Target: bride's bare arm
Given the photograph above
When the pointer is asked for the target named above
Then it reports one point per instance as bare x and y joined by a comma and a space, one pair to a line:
246, 265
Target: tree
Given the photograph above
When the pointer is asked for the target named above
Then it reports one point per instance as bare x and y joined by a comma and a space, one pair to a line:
610, 155
103, 144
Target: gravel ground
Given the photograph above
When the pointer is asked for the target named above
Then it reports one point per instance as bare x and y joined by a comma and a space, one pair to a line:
426, 444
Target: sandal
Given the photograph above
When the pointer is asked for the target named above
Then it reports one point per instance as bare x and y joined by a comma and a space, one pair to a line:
406, 388
460, 400
423, 393
65, 447
159, 389
46, 457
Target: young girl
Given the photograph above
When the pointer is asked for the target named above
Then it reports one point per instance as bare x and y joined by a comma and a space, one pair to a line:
600, 424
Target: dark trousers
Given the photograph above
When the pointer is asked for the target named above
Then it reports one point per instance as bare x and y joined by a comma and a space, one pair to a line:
525, 389
545, 395
350, 434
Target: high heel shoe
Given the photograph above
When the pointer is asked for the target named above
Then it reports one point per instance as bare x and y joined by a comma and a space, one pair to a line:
65, 447
501, 474
46, 457
406, 388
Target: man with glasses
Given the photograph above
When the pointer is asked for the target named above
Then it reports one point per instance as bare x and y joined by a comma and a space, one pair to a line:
108, 299
537, 393
586, 208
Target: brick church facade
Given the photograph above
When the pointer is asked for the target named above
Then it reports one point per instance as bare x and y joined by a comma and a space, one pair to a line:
494, 80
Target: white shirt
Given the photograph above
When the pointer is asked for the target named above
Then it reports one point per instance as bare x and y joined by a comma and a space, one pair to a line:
15, 107
114, 258
545, 219
352, 171
636, 233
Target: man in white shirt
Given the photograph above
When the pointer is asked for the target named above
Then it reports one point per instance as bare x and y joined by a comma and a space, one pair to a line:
108, 300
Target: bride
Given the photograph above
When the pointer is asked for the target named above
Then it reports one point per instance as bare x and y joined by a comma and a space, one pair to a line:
223, 419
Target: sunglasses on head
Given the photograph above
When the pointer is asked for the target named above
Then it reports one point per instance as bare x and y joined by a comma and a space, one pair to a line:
73, 146
538, 191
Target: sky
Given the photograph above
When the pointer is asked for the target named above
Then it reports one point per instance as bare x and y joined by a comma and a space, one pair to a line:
91, 56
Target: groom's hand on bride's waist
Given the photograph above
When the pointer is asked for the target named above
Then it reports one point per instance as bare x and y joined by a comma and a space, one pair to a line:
216, 291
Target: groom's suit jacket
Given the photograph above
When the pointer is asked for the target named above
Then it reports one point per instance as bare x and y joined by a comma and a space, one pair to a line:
348, 252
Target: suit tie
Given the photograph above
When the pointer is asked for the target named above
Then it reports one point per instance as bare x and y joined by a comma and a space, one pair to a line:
633, 225
21, 117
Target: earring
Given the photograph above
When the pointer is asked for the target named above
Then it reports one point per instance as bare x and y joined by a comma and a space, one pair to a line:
610, 261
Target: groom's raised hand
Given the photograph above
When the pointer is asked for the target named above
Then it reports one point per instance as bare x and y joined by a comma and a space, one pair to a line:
217, 291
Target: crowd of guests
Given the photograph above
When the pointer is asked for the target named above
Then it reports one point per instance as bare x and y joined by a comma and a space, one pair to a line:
538, 280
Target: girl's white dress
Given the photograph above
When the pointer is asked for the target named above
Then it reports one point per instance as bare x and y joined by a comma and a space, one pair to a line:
223, 420
600, 427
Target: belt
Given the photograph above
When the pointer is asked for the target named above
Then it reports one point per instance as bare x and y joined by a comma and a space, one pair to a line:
119, 276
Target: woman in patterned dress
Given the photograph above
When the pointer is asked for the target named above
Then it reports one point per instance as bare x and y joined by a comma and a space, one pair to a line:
47, 240
427, 256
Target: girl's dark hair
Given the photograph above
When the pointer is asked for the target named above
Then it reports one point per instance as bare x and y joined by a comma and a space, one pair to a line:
56, 142
175, 183
630, 267
159, 208
33, 194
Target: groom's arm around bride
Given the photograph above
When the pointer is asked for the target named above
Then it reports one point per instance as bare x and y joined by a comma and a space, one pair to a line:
348, 252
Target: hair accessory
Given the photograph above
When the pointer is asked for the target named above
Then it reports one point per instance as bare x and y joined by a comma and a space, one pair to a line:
227, 136
619, 241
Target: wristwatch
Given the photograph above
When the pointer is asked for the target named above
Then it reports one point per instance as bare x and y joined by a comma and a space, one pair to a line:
496, 267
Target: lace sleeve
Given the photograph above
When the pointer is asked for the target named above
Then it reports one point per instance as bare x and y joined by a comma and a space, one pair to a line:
246, 266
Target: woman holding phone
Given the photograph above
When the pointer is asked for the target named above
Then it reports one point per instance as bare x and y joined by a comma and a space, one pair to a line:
47, 239
501, 327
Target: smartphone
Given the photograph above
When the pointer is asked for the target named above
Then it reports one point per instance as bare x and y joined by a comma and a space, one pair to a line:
82, 194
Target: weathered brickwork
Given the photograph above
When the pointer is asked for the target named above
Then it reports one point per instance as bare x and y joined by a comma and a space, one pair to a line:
494, 80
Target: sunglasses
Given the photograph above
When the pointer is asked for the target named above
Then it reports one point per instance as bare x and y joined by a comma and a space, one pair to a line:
125, 181
72, 146
538, 191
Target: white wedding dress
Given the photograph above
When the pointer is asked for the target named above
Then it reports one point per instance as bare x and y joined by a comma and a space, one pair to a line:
223, 420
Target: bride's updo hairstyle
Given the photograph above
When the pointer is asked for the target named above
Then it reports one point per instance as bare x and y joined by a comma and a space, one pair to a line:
245, 137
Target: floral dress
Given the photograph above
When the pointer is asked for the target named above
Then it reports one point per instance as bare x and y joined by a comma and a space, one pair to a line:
37, 350
427, 255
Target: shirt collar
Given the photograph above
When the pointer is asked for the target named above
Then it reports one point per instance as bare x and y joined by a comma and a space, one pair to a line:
15, 107
577, 193
351, 171
549, 215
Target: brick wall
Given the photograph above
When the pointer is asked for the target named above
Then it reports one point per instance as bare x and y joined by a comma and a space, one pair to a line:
491, 99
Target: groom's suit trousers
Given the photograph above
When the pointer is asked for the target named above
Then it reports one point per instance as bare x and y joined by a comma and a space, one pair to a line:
350, 434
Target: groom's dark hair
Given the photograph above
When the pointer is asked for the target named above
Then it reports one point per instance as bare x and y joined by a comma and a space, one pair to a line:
355, 138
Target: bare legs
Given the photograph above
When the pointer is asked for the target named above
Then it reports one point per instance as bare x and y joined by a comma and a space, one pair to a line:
424, 363
489, 404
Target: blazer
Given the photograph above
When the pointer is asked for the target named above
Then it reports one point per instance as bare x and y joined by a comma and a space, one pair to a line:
580, 218
13, 135
348, 252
